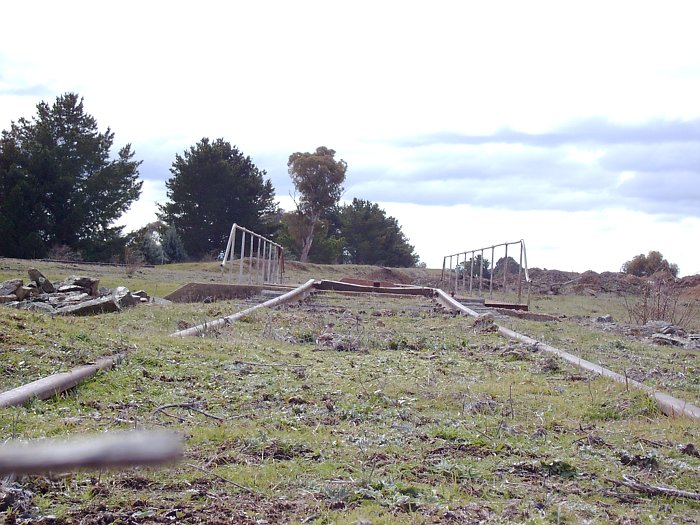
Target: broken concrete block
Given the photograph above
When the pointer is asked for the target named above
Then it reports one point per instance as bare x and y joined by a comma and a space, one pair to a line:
94, 306
38, 307
88, 284
124, 298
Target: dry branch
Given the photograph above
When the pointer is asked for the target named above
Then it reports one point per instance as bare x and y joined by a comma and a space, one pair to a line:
226, 480
188, 406
116, 449
654, 490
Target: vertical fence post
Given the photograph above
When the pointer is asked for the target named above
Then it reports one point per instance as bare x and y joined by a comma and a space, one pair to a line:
481, 270
257, 263
240, 267
456, 268
505, 269
276, 264
471, 274
520, 271
250, 260
493, 264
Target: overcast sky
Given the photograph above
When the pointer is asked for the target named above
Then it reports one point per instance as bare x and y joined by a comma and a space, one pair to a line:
572, 125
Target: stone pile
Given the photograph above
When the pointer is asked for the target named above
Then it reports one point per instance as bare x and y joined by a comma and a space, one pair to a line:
76, 295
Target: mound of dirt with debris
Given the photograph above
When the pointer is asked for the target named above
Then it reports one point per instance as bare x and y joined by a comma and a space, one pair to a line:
556, 282
389, 275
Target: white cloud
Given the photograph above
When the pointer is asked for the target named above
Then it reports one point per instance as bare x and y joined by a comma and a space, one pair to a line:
526, 118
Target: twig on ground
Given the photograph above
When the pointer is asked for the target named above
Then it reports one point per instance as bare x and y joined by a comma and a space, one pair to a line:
273, 365
654, 490
221, 478
188, 406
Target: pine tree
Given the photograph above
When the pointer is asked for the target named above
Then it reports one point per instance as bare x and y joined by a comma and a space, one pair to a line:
58, 185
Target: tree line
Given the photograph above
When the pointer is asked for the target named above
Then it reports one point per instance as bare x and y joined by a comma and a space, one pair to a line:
61, 191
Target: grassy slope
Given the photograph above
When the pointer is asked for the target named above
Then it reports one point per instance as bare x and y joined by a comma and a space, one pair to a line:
420, 420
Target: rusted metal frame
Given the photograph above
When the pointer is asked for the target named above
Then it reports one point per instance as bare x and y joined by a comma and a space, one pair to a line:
668, 404
299, 293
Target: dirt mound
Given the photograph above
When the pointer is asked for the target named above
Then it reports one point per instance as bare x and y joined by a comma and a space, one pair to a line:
389, 275
555, 282
691, 286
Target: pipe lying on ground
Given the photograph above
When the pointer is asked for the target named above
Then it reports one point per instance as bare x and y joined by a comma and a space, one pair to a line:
297, 294
668, 404
116, 449
56, 383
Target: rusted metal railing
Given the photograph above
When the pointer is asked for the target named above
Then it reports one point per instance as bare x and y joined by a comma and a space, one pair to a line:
457, 269
259, 261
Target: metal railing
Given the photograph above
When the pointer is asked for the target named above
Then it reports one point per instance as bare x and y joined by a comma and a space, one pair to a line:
475, 267
264, 262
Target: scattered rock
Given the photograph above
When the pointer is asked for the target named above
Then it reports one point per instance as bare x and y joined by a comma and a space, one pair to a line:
605, 319
38, 306
123, 297
484, 324
87, 284
77, 295
10, 287
41, 281
91, 307
481, 406
667, 340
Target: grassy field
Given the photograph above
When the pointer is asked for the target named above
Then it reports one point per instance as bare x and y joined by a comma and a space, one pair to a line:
343, 409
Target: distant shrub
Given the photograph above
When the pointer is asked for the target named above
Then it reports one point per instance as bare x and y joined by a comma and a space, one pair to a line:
647, 265
660, 301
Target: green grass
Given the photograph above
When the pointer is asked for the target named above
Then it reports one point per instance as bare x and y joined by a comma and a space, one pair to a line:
345, 408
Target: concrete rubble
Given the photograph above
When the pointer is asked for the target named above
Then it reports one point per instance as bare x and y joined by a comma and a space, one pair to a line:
75, 295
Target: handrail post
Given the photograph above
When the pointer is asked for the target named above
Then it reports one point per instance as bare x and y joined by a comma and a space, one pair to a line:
240, 267
520, 271
257, 264
471, 274
493, 248
505, 270
481, 271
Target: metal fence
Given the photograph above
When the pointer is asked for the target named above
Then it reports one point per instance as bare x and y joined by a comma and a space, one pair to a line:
256, 259
468, 271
